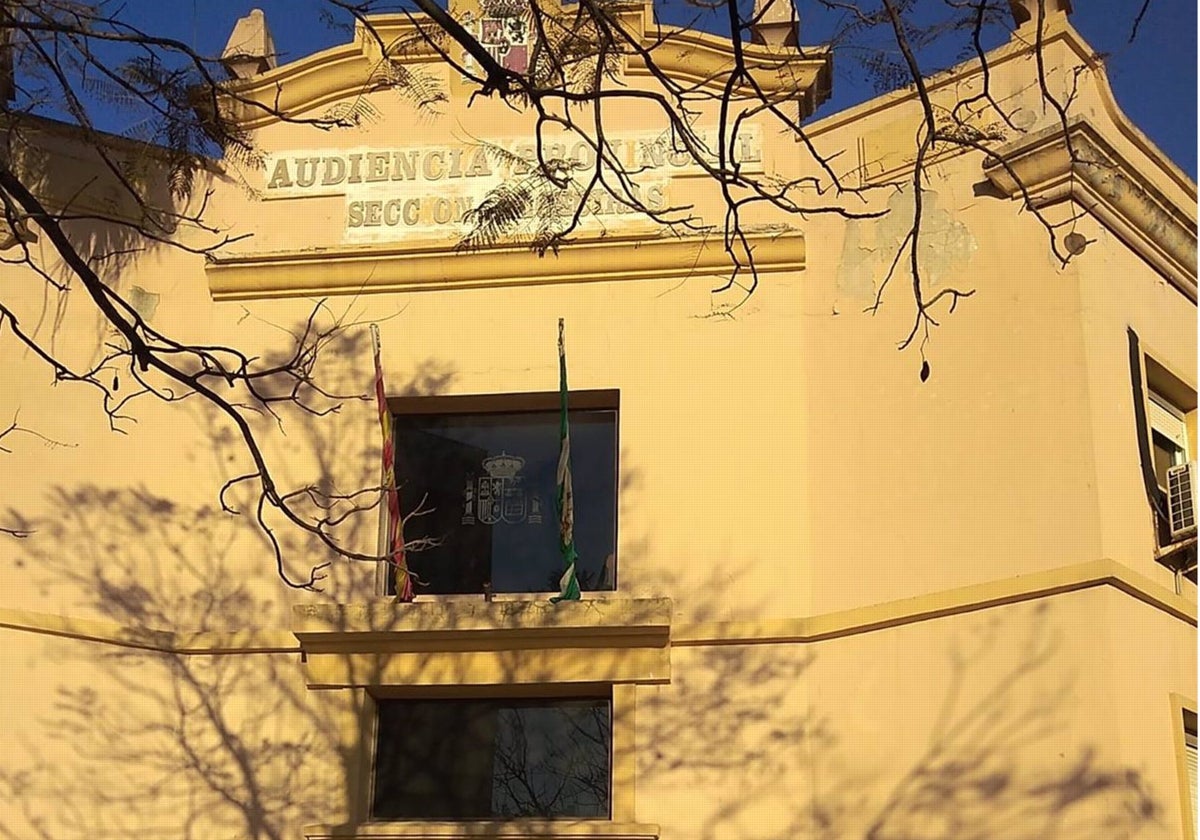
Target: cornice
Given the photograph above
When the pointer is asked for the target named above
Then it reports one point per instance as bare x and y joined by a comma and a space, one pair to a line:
1077, 164
1056, 30
1016, 48
403, 268
148, 639
321, 628
85, 138
302, 86
851, 622
342, 72
802, 74
62, 164
457, 643
949, 602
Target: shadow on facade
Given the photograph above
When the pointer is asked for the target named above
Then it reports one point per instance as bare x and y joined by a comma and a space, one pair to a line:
237, 745
999, 762
184, 744
124, 199
735, 746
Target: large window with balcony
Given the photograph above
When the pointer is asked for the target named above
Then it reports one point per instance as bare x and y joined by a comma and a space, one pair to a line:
478, 483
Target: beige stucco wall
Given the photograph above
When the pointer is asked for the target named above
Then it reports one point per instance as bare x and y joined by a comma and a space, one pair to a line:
1013, 722
779, 466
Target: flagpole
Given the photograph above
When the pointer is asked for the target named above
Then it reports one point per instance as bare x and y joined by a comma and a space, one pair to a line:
569, 583
391, 495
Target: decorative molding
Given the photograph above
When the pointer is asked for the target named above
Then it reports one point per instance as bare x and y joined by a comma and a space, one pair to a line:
410, 626
148, 639
507, 830
783, 74
1056, 29
1043, 168
87, 630
345, 71
471, 643
967, 599
856, 621
395, 268
624, 752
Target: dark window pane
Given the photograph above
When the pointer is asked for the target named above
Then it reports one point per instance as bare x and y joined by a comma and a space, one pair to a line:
488, 482
1167, 454
486, 759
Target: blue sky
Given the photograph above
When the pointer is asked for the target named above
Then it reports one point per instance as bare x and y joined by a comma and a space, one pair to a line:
1154, 78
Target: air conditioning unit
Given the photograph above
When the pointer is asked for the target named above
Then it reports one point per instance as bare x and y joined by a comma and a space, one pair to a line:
1181, 499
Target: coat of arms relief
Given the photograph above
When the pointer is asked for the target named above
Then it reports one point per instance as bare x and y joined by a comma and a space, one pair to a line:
505, 29
499, 495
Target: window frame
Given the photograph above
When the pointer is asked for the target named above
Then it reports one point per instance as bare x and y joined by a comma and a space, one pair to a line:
1183, 709
549, 698
1158, 384
1172, 431
622, 749
518, 402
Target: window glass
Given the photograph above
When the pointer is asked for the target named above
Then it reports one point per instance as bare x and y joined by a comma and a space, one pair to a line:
1167, 454
1168, 434
487, 484
492, 759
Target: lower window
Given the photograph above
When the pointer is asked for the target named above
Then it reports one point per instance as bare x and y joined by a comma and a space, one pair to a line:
493, 759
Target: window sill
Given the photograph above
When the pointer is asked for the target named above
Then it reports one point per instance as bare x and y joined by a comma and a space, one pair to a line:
506, 830
504, 597
443, 643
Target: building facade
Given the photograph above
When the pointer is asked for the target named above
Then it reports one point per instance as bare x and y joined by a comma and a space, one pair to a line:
826, 593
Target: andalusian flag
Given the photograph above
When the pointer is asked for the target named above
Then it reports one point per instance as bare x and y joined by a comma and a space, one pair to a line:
395, 525
569, 584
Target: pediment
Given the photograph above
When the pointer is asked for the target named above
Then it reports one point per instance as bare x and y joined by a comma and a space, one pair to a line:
308, 87
386, 201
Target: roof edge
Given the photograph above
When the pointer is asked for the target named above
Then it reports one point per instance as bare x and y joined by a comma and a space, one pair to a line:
343, 71
1056, 30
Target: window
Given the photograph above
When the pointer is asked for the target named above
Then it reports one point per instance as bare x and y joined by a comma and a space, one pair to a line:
1184, 713
1168, 436
1189, 754
482, 472
1165, 411
1170, 418
493, 759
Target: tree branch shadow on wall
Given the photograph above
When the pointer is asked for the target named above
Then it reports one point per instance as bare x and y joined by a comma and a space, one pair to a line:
191, 745
999, 760
238, 745
999, 766
197, 746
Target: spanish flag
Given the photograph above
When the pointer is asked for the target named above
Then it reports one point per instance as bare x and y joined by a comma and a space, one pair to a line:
395, 523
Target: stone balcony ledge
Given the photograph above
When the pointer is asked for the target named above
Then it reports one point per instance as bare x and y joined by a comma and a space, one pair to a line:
432, 643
